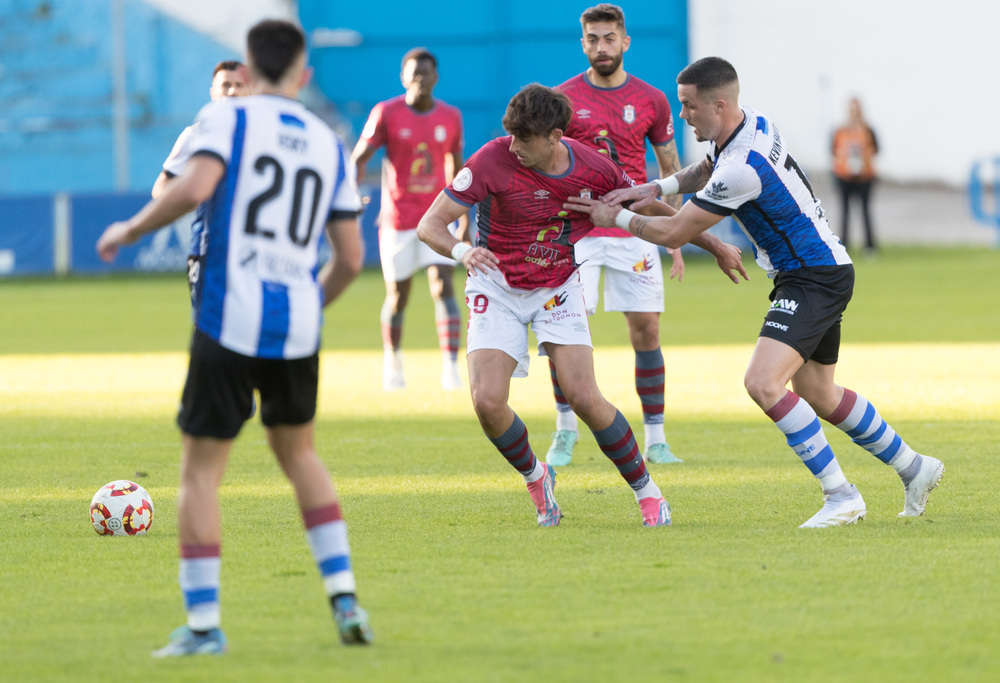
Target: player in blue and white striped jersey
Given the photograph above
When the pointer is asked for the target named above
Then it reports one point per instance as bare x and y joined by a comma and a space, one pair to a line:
750, 175
269, 177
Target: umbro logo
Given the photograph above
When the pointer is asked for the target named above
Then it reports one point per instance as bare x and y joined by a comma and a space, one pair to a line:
541, 194
583, 113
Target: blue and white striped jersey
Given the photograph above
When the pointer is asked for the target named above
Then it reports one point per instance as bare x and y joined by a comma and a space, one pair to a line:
255, 289
757, 181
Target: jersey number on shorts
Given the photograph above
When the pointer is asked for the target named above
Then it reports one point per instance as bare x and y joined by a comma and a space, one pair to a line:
479, 304
305, 178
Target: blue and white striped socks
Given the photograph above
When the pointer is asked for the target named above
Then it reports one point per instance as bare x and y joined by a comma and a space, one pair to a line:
804, 433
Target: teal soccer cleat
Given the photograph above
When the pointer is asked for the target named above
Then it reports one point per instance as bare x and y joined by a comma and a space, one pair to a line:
184, 641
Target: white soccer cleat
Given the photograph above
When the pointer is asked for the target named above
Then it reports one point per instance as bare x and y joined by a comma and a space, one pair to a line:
838, 510
450, 379
392, 371
920, 487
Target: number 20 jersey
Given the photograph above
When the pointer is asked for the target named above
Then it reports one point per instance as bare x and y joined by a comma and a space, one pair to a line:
256, 291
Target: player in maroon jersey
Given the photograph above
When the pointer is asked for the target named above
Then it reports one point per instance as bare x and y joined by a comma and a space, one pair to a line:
422, 136
524, 273
616, 113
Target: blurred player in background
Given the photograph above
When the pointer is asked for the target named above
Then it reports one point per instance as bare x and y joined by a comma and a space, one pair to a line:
523, 274
229, 79
616, 113
272, 176
750, 175
422, 136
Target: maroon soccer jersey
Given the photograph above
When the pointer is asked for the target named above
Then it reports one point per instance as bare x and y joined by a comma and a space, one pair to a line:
520, 216
415, 147
617, 122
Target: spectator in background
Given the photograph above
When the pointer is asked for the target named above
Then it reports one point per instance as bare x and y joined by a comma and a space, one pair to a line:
854, 150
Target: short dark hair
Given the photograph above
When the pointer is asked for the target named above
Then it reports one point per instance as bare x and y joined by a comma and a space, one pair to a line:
603, 12
537, 110
419, 53
708, 73
273, 45
227, 65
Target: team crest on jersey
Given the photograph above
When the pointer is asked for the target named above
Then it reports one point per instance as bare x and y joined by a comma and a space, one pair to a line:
645, 265
463, 180
586, 193
583, 113
440, 133
555, 302
717, 190
628, 113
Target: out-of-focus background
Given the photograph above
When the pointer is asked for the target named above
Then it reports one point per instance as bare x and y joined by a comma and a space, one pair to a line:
93, 94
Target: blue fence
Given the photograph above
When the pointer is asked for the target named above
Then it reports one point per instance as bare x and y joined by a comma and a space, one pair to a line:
56, 234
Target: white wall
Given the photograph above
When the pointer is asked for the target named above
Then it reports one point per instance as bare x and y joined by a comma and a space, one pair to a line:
927, 73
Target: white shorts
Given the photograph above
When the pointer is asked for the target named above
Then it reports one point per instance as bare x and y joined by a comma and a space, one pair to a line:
633, 274
499, 316
402, 254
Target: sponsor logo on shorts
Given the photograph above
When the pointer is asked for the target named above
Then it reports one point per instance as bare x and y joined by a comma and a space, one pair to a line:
628, 113
581, 327
788, 306
646, 264
557, 300
779, 326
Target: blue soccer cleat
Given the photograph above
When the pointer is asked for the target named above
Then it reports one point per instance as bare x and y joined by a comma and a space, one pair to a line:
184, 641
352, 621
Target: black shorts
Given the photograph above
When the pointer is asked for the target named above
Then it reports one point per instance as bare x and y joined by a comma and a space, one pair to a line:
807, 306
218, 392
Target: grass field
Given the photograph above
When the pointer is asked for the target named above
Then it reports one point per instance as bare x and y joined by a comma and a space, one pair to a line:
460, 583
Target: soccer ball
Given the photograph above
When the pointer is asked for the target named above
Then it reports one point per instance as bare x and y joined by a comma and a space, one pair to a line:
121, 508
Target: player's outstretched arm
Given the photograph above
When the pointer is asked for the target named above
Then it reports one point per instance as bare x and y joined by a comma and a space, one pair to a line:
348, 257
726, 255
433, 231
197, 184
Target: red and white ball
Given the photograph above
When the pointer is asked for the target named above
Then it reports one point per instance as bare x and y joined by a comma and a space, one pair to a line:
121, 508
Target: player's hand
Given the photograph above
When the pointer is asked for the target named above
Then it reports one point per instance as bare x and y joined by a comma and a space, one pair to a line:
602, 215
677, 267
480, 258
640, 195
114, 236
729, 260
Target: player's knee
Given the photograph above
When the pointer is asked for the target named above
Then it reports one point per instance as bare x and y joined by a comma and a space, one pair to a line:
762, 389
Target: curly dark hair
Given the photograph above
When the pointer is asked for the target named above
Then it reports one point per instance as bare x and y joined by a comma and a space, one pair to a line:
537, 110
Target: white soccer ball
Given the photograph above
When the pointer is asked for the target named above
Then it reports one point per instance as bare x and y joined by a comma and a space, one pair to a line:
121, 508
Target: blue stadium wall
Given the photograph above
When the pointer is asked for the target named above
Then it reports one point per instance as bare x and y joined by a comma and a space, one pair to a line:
486, 51
56, 59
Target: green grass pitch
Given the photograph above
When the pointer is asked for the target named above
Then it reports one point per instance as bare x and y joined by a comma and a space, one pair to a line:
460, 583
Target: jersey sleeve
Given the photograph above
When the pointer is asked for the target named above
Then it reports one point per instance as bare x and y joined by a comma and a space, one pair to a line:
373, 133
180, 153
485, 173
346, 199
661, 131
729, 187
213, 131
